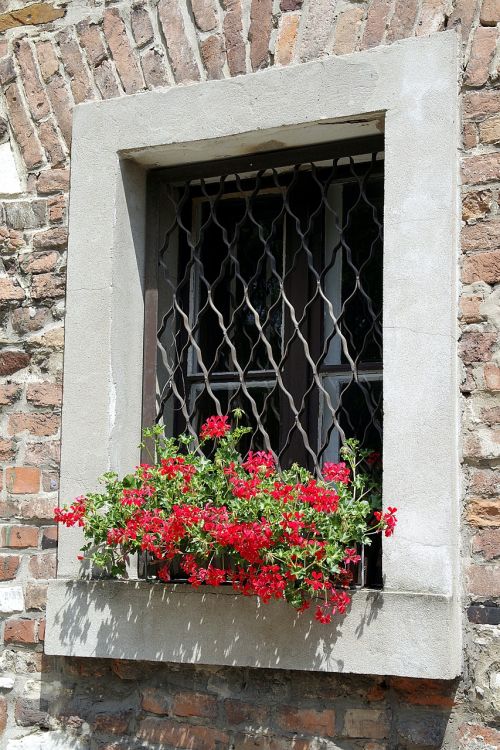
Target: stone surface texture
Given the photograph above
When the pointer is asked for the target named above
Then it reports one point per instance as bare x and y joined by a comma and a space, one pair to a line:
49, 703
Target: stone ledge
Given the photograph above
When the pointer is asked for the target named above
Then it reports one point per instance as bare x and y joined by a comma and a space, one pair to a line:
385, 632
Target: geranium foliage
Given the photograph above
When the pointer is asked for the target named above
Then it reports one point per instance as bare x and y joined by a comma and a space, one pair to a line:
227, 520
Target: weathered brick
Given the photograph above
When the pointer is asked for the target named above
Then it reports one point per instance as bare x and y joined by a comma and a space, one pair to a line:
74, 65
487, 543
470, 309
483, 615
52, 181
212, 55
13, 361
316, 29
10, 240
194, 704
19, 537
37, 506
57, 208
478, 104
477, 204
490, 12
463, 16
153, 68
39, 262
49, 537
469, 135
475, 346
42, 425
35, 596
403, 20
104, 75
242, 712
32, 712
10, 291
233, 34
47, 59
32, 84
376, 23
47, 285
51, 142
181, 54
432, 16
33, 13
20, 631
61, 104
51, 239
204, 14
112, 723
489, 130
484, 512
9, 565
492, 377
482, 267
287, 38
155, 701
3, 714
26, 214
424, 692
286, 5
105, 79
347, 29
53, 339
484, 580
7, 70
142, 28
420, 729
7, 450
126, 670
43, 565
261, 19
22, 480
123, 55
27, 320
366, 722
9, 393
307, 720
22, 128
483, 49
44, 394
478, 169
170, 732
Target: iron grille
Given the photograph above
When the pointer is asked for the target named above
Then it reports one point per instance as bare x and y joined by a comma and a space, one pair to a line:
264, 292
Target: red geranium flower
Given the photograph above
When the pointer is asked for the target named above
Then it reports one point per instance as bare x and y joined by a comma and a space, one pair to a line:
215, 427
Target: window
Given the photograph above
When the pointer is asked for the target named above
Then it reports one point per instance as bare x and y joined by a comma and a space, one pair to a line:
270, 298
409, 90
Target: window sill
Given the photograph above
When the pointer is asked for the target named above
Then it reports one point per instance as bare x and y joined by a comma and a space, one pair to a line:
385, 632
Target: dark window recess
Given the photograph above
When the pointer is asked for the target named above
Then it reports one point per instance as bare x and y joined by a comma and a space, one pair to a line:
264, 292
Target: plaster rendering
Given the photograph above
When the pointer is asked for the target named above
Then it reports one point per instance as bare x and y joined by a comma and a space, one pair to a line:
410, 87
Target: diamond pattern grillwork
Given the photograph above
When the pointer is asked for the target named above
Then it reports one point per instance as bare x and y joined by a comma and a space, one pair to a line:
270, 299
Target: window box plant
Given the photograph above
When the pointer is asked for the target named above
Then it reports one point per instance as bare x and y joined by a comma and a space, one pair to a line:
223, 519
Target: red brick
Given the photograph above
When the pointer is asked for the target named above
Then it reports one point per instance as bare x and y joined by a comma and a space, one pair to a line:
376, 21
169, 732
41, 425
476, 346
487, 543
41, 629
39, 262
482, 267
204, 14
43, 454
489, 130
484, 580
20, 631
261, 20
22, 480
484, 512
492, 377
35, 596
49, 537
403, 20
287, 38
469, 135
10, 291
75, 67
127, 670
9, 565
180, 51
484, 481
47, 59
483, 49
233, 34
51, 142
7, 450
57, 209
470, 309
432, 16
366, 722
478, 104
9, 394
26, 321
240, 712
424, 692
307, 720
155, 701
13, 361
44, 394
22, 128
478, 169
286, 5
10, 240
123, 55
33, 86
47, 286
212, 55
112, 723
347, 29
51, 239
490, 12
19, 537
90, 37
43, 565
53, 181
39, 507
194, 704
463, 15
477, 737
142, 28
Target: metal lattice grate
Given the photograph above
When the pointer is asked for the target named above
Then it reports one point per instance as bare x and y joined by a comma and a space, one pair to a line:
266, 294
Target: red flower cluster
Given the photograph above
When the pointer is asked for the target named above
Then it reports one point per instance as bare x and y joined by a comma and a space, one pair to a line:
173, 467
388, 519
215, 427
260, 463
72, 516
337, 473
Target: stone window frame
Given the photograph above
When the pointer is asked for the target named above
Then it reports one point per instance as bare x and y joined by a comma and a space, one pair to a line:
410, 90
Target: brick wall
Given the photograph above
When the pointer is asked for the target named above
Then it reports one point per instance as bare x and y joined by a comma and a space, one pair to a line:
55, 54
